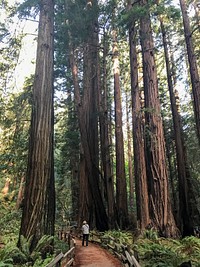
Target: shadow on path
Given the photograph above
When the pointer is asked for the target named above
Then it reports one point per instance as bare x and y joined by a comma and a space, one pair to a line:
94, 256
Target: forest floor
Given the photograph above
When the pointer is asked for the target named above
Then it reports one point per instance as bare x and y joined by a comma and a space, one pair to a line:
94, 256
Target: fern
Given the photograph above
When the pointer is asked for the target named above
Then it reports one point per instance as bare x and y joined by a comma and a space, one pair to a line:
151, 234
11, 251
168, 252
7, 263
122, 237
190, 245
25, 245
45, 241
43, 262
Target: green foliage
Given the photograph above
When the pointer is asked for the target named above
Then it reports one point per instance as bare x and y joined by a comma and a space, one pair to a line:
23, 255
60, 245
28, 8
128, 17
191, 247
159, 252
42, 262
25, 245
14, 123
13, 252
44, 245
158, 255
10, 254
7, 263
151, 234
168, 252
121, 236
9, 220
75, 19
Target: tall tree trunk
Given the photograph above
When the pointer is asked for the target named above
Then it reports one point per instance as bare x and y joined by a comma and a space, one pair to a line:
187, 201
39, 201
159, 202
75, 186
185, 216
105, 143
90, 117
194, 75
138, 137
130, 163
91, 168
84, 194
121, 189
172, 175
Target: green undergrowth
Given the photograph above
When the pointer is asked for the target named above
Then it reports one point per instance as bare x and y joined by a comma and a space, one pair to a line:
9, 220
154, 251
10, 254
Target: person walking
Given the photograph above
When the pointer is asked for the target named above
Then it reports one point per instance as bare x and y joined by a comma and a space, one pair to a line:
85, 231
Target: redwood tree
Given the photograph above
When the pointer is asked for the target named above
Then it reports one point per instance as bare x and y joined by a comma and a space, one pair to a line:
105, 144
39, 200
193, 66
121, 189
185, 203
160, 209
86, 100
138, 135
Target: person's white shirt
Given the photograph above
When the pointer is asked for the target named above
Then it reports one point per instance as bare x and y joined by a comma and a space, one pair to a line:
85, 229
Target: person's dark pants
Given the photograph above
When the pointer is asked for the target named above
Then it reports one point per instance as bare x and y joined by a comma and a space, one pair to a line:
85, 239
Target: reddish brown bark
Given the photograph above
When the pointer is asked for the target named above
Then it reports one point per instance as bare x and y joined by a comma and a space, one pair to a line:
186, 207
85, 109
159, 202
105, 142
138, 137
39, 203
194, 75
121, 189
130, 162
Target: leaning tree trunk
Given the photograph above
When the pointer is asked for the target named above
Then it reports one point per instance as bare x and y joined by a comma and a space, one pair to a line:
160, 209
138, 137
39, 201
194, 75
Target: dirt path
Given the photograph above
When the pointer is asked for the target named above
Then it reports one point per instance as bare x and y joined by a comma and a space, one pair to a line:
94, 256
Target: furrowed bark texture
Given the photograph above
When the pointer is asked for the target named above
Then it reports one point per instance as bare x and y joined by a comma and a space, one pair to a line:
39, 203
157, 173
195, 81
121, 189
142, 197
